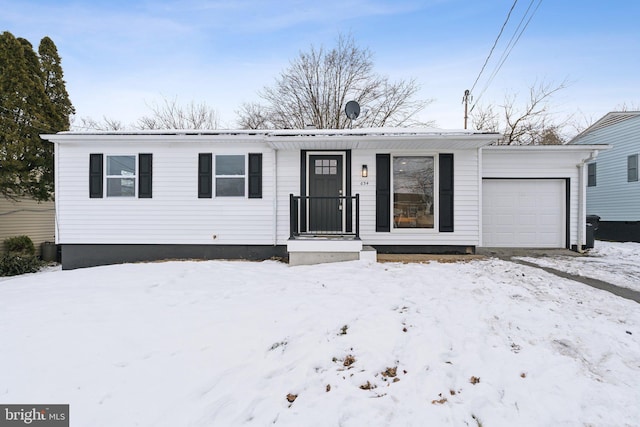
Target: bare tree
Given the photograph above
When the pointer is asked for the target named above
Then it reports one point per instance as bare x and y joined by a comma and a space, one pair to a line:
252, 116
628, 107
317, 85
486, 119
107, 124
532, 123
170, 115
166, 115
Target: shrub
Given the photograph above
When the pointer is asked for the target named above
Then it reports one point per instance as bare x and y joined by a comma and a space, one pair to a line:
12, 264
20, 245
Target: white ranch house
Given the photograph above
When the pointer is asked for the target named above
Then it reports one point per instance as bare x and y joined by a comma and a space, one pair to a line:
312, 195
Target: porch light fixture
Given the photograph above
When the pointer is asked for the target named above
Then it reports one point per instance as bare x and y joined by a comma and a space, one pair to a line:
365, 171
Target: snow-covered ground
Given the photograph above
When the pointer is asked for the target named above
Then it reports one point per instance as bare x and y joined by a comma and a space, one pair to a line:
615, 263
221, 343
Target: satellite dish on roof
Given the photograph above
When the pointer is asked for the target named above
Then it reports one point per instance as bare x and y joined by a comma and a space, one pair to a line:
352, 109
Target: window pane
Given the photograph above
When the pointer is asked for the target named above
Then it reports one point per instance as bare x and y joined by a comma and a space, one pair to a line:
632, 168
121, 165
121, 187
413, 192
591, 175
229, 165
229, 187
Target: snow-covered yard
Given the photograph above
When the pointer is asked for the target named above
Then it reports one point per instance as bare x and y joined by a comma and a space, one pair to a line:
615, 263
484, 343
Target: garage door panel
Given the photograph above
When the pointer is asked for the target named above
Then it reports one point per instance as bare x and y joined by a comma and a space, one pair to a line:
524, 213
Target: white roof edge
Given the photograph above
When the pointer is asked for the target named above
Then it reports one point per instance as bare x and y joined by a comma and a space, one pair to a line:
156, 137
382, 131
415, 132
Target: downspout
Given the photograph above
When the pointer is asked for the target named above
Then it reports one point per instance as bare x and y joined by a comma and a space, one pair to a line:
56, 186
582, 202
275, 196
480, 225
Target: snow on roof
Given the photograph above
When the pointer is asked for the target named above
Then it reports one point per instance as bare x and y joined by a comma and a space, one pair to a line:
289, 139
381, 131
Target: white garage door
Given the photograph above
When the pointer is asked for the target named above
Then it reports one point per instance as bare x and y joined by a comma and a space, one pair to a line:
526, 213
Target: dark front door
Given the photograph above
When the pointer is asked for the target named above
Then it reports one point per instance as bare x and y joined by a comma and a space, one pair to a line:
325, 183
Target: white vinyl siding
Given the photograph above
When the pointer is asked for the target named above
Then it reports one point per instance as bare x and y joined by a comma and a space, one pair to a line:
175, 214
615, 197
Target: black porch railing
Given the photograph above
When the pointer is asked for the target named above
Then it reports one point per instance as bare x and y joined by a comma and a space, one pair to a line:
324, 216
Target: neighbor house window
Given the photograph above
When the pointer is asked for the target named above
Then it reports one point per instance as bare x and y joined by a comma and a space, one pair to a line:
121, 176
591, 175
230, 176
632, 168
413, 192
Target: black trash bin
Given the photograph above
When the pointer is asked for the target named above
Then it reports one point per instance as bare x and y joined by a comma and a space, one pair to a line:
49, 252
592, 225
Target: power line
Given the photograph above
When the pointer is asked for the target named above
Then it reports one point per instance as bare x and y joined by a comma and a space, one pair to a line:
509, 48
486, 61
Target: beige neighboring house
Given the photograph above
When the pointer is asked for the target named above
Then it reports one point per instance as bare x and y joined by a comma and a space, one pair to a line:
26, 216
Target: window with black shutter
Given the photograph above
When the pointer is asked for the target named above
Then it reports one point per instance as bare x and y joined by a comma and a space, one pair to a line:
255, 175
205, 175
145, 175
95, 176
446, 192
383, 192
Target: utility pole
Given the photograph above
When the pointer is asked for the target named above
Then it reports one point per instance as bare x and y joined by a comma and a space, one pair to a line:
465, 99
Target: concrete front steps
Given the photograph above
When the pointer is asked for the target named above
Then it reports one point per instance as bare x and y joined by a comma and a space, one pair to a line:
318, 250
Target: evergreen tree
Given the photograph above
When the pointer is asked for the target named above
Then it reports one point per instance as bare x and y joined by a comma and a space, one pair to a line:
54, 85
26, 111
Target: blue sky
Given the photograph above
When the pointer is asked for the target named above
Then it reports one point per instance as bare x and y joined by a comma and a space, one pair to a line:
120, 56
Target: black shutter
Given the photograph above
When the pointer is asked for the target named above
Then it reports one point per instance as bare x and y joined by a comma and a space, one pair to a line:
145, 175
205, 176
95, 176
255, 175
383, 192
446, 193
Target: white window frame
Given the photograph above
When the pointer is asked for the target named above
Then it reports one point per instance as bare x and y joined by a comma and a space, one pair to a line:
245, 176
134, 176
436, 195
